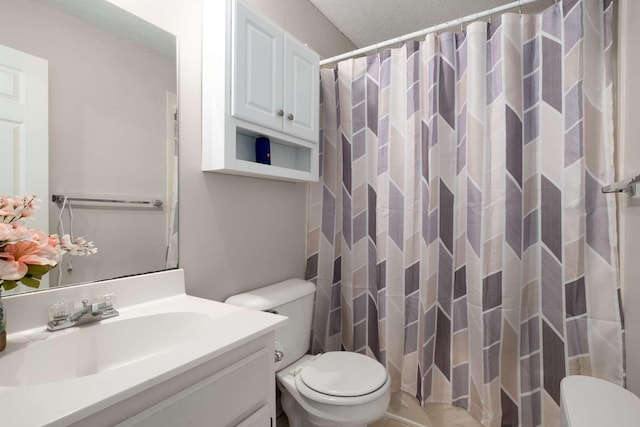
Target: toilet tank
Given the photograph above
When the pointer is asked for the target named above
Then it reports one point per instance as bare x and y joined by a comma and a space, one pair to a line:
592, 402
292, 298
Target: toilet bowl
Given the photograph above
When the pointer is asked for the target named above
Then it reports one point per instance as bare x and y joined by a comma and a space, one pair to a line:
334, 389
592, 402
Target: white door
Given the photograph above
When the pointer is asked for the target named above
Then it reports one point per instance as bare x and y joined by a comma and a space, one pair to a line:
302, 87
257, 70
24, 131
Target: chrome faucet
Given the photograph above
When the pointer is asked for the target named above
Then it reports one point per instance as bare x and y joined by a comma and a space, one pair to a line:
62, 314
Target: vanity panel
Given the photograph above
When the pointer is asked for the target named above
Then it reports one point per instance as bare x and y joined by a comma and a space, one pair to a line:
221, 392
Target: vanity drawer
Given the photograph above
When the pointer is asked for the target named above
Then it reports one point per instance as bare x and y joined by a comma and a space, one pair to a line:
222, 399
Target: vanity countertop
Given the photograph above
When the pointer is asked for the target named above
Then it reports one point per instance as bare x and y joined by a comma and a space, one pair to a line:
223, 328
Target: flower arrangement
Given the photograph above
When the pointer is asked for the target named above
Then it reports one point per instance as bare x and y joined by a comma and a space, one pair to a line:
27, 254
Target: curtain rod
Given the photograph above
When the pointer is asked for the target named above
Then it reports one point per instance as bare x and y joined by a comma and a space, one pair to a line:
424, 32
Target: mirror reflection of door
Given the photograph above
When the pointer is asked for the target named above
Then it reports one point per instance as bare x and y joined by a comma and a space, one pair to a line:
24, 134
172, 179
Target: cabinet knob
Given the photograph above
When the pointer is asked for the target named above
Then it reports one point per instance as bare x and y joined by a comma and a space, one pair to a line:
279, 355
290, 116
280, 113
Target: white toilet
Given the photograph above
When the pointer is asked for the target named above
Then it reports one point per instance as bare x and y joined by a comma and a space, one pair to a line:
333, 389
592, 402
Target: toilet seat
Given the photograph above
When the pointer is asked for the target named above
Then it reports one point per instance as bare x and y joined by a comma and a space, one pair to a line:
342, 378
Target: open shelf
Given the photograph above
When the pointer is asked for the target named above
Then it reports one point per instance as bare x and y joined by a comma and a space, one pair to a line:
283, 154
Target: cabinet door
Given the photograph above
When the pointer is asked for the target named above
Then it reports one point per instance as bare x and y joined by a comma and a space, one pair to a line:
260, 418
302, 87
257, 69
218, 400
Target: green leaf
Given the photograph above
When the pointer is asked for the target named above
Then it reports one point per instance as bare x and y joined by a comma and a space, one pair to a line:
30, 282
9, 284
38, 271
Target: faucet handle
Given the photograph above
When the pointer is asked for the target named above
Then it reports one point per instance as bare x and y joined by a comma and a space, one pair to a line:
60, 311
107, 301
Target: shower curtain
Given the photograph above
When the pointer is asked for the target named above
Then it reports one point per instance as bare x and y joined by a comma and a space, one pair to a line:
458, 233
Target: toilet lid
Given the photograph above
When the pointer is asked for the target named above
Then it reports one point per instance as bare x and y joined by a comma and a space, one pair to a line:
344, 374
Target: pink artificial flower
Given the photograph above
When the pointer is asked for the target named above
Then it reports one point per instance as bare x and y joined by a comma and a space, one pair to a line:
14, 232
54, 242
7, 212
18, 256
7, 231
49, 248
26, 213
21, 246
11, 270
80, 246
26, 206
16, 208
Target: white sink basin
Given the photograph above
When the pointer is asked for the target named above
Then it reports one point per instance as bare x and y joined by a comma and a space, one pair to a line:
98, 347
95, 374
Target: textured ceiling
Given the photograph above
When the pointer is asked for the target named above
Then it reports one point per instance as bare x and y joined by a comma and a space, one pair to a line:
121, 23
366, 22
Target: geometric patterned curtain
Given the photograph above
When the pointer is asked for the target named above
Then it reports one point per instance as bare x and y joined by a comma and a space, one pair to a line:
458, 233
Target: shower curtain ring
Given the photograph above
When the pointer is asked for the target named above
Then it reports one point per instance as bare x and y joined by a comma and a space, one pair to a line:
520, 7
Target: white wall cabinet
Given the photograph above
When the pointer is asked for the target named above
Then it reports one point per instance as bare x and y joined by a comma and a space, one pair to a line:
258, 70
301, 90
257, 81
275, 77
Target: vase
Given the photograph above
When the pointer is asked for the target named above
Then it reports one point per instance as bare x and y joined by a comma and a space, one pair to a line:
3, 331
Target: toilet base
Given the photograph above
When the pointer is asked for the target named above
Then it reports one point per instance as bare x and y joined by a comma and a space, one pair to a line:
298, 417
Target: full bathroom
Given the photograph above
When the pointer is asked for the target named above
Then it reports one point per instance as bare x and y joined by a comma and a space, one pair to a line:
319, 213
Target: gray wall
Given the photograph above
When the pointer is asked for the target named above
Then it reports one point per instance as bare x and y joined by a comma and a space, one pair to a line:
236, 233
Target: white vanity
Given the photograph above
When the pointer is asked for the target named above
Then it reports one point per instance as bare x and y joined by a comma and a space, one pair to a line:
168, 359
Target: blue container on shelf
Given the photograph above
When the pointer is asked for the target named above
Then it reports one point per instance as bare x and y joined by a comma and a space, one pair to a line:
263, 150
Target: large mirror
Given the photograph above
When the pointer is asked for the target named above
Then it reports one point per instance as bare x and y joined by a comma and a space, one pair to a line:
88, 97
